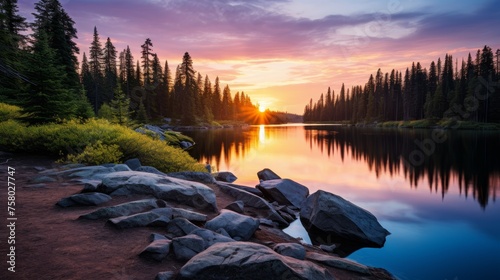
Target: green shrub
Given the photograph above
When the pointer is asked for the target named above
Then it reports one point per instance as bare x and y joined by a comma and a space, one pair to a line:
96, 154
73, 137
9, 112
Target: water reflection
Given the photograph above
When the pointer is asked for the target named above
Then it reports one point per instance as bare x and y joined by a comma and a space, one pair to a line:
469, 157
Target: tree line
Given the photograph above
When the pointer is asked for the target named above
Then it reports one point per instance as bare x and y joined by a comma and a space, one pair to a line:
41, 72
469, 92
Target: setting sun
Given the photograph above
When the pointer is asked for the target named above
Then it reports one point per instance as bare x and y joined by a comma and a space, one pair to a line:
262, 109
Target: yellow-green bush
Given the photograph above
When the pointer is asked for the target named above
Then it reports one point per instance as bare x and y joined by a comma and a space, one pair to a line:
73, 137
8, 112
96, 154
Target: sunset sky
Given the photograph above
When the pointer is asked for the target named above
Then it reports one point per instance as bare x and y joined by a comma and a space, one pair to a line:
284, 52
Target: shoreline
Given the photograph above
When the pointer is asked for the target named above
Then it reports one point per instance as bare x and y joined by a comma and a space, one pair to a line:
51, 223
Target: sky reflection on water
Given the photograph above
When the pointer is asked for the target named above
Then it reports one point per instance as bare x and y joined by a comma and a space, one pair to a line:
443, 215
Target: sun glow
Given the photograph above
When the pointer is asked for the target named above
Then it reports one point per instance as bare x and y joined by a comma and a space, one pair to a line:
262, 109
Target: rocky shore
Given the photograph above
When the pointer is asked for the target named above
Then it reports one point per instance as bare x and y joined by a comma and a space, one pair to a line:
203, 226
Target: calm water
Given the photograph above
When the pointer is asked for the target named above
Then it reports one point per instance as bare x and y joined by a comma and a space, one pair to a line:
434, 191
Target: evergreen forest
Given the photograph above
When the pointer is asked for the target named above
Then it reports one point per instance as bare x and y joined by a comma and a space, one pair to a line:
445, 90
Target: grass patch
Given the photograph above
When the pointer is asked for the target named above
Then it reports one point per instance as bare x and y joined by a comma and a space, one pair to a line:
94, 141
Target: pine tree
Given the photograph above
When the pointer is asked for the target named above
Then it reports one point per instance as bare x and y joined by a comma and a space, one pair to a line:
110, 71
47, 99
95, 91
53, 20
12, 28
217, 100
227, 104
189, 90
120, 106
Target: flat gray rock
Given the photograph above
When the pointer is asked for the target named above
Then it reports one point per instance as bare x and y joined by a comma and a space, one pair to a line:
157, 250
202, 177
42, 179
293, 250
337, 262
84, 199
142, 219
284, 191
246, 261
237, 206
239, 227
91, 172
188, 246
211, 237
254, 201
180, 227
125, 209
163, 187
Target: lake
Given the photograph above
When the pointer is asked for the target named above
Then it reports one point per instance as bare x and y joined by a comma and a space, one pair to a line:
434, 190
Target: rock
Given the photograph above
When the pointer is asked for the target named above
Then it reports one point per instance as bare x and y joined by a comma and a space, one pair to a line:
121, 167
125, 209
90, 186
293, 250
142, 219
165, 275
222, 231
253, 201
284, 191
251, 190
157, 250
188, 215
246, 260
266, 222
289, 218
180, 227
337, 262
202, 177
162, 187
186, 247
133, 163
236, 206
328, 248
150, 169
84, 199
267, 174
185, 144
239, 227
225, 176
91, 172
42, 179
330, 217
156, 236
211, 237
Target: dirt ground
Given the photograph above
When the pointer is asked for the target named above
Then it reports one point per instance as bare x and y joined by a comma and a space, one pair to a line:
52, 243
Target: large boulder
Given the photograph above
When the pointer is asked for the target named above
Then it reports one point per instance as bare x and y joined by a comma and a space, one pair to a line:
267, 174
239, 227
162, 187
133, 163
329, 218
246, 260
125, 209
284, 191
254, 201
84, 199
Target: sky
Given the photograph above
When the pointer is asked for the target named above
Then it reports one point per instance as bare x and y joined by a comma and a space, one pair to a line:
282, 53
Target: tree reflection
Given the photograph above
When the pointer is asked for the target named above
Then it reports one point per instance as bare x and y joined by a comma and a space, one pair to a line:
468, 157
